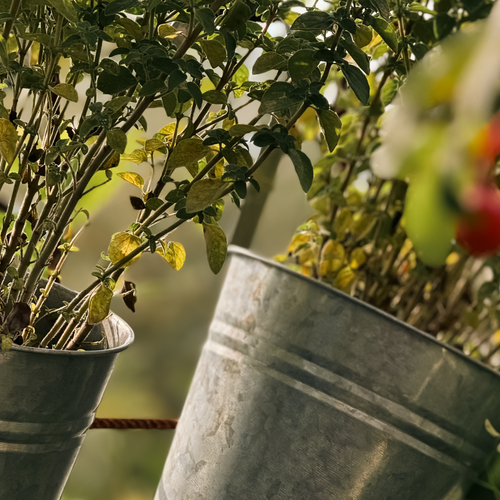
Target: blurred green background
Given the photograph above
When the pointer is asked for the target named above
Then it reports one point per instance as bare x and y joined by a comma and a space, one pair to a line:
173, 312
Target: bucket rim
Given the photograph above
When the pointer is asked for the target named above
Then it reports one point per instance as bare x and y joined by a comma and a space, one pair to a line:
101, 352
236, 250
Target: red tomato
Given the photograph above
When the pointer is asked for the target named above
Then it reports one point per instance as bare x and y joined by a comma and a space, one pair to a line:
479, 229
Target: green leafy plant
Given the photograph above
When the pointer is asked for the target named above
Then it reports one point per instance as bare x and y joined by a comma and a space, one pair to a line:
116, 59
389, 239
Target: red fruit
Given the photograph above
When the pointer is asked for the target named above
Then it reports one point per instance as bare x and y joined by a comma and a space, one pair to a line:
479, 229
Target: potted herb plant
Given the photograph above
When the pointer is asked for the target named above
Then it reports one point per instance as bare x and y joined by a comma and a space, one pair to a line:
303, 391
77, 77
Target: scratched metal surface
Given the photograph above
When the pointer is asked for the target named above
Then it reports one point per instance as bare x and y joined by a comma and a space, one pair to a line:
48, 400
302, 392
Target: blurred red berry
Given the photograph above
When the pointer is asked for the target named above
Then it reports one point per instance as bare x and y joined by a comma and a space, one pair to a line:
479, 229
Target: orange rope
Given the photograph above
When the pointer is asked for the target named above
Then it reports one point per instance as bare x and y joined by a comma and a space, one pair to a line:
133, 423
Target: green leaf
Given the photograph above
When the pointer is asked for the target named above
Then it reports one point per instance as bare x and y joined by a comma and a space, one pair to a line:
207, 19
417, 7
386, 32
188, 151
41, 38
8, 140
196, 94
151, 87
241, 130
316, 20
117, 103
389, 90
203, 193
66, 8
360, 57
108, 83
215, 97
118, 5
99, 305
121, 245
215, 52
302, 64
237, 15
173, 253
363, 36
216, 244
383, 8
175, 79
117, 139
357, 81
303, 167
267, 62
331, 125
277, 97
241, 76
132, 178
443, 25
154, 203
132, 28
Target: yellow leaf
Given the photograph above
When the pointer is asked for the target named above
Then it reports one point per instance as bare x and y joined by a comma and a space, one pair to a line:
358, 258
297, 241
307, 257
8, 140
152, 145
203, 193
137, 156
342, 223
121, 245
216, 245
496, 337
99, 305
112, 162
490, 429
187, 152
281, 258
168, 130
332, 258
173, 253
66, 91
344, 279
132, 178
167, 31
219, 169
362, 224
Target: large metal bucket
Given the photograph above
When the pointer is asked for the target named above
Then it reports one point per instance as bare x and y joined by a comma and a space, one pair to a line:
302, 392
48, 400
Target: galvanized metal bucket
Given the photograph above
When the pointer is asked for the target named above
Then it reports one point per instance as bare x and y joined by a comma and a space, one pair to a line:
303, 392
48, 400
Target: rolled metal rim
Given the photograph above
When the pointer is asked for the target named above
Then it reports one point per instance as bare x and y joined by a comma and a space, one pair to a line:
60, 352
247, 253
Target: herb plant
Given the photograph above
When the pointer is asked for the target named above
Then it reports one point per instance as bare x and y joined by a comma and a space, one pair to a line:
124, 57
389, 241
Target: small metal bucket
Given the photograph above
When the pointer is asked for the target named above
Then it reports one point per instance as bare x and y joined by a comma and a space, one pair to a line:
303, 392
48, 400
